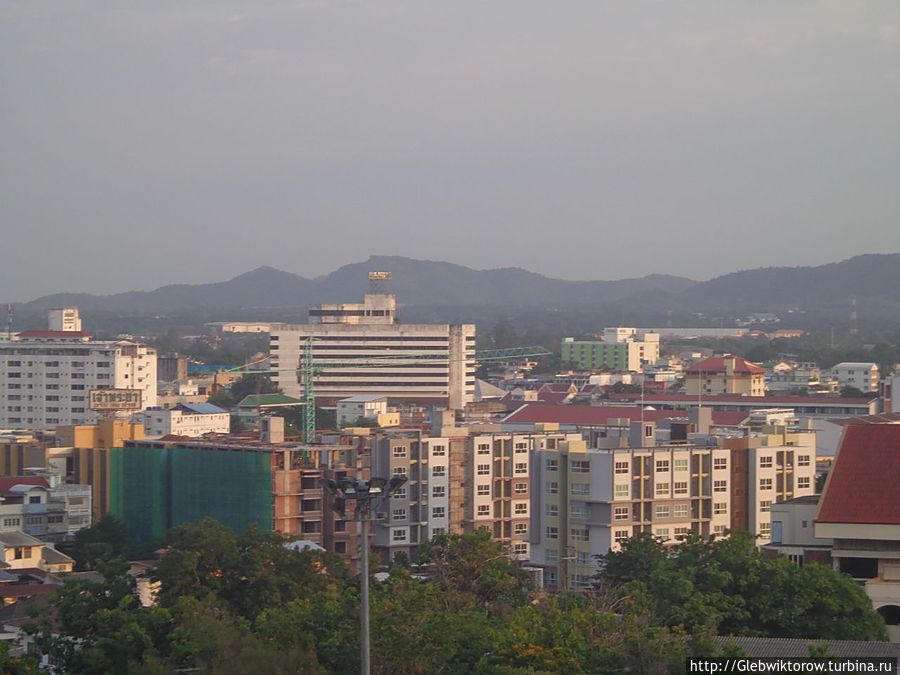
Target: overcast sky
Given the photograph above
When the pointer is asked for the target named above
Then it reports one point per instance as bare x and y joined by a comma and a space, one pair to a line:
147, 143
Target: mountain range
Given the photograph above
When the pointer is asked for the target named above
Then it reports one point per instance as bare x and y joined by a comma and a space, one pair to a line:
873, 279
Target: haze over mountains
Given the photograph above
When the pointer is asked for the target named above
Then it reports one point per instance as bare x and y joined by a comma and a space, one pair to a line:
440, 291
436, 284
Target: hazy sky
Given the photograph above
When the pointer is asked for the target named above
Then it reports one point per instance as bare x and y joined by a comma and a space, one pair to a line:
147, 143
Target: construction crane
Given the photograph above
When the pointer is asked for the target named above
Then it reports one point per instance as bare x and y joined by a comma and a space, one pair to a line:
310, 367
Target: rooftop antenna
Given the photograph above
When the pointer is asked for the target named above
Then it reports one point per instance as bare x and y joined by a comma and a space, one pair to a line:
854, 321
9, 320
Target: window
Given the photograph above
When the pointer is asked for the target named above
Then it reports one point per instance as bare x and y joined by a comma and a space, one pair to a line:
720, 486
399, 451
484, 510
681, 487
680, 511
662, 489
802, 460
483, 469
552, 465
580, 489
802, 482
520, 488
552, 487
483, 490
437, 530
399, 493
621, 491
521, 467
681, 531
520, 548
583, 558
521, 447
662, 534
621, 513
34, 500
720, 463
765, 483
398, 514
580, 511
620, 535
765, 529
438, 491
720, 508
552, 510
439, 470
621, 467
580, 466
681, 465
579, 533
551, 555
765, 462
11, 522
438, 450
662, 465
340, 547
438, 512
552, 532
397, 470
520, 529
765, 505
719, 529
520, 509
398, 536
484, 449
662, 511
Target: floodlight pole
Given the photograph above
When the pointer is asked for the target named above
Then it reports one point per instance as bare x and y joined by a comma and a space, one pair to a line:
365, 510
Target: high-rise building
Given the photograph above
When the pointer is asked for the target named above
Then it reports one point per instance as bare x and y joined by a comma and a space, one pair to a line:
46, 375
439, 370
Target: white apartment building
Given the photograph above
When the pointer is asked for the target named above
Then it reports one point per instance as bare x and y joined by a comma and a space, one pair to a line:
587, 501
46, 376
863, 376
186, 419
429, 364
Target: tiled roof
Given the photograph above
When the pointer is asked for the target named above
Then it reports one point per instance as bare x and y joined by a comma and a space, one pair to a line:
717, 365
764, 401
53, 334
881, 418
728, 418
862, 485
202, 408
8, 482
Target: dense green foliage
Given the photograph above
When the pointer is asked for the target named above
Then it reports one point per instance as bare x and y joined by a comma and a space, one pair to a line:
728, 587
233, 603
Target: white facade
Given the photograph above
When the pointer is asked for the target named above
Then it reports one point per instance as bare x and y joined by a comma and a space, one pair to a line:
45, 377
368, 407
863, 376
440, 368
64, 319
183, 422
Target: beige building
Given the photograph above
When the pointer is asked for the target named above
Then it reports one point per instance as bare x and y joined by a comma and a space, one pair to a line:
427, 364
725, 375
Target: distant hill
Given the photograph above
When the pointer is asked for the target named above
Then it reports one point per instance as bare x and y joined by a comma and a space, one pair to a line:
440, 291
773, 288
415, 282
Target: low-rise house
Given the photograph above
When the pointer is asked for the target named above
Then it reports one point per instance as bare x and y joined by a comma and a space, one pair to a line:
19, 550
186, 419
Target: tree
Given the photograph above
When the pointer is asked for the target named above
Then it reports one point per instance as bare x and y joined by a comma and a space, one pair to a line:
503, 335
252, 384
101, 542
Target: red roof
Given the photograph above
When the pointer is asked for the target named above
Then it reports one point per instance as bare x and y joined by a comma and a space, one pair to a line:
7, 482
862, 486
53, 334
717, 365
729, 418
764, 401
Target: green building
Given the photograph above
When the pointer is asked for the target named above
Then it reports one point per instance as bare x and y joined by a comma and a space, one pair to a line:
596, 355
154, 488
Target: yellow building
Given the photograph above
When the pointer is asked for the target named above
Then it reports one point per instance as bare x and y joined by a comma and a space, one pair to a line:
725, 375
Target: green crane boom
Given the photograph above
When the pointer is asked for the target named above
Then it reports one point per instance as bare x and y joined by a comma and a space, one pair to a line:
309, 367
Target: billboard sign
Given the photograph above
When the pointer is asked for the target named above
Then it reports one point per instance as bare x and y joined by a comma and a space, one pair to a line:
115, 399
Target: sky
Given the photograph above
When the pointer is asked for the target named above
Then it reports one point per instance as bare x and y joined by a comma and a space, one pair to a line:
148, 143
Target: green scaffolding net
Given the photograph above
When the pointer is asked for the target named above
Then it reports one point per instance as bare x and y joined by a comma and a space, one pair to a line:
153, 489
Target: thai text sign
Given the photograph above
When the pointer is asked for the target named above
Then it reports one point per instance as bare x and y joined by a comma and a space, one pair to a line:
115, 399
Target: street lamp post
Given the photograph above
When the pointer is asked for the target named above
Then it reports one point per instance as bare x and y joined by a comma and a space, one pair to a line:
362, 492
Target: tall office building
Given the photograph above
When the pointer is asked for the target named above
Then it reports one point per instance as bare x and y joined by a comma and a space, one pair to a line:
430, 364
46, 375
